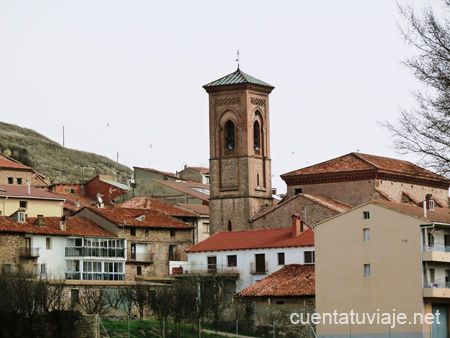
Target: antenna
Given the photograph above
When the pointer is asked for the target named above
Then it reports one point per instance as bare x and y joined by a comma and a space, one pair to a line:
238, 59
63, 133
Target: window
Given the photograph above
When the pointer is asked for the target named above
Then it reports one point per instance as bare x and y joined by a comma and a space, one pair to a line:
23, 204
260, 263
147, 232
172, 233
139, 271
229, 226
232, 260
431, 205
229, 135
309, 257
281, 258
43, 269
10, 180
256, 136
298, 191
19, 181
35, 269
366, 235
74, 296
6, 268
21, 216
133, 232
366, 215
206, 179
212, 264
48, 243
366, 270
206, 228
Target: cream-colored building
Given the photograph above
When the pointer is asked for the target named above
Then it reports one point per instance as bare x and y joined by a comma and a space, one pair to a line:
34, 201
383, 258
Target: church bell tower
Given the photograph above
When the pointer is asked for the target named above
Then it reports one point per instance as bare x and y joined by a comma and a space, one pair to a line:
239, 138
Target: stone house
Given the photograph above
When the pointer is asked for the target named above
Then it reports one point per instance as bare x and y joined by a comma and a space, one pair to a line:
197, 174
202, 226
14, 173
106, 187
153, 238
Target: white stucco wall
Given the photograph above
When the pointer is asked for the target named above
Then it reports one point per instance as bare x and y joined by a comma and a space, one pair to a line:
198, 261
54, 257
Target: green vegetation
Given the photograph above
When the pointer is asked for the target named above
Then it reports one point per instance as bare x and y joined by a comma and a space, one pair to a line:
148, 329
55, 162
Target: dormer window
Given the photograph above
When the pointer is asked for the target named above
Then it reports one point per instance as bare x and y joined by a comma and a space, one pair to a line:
21, 216
229, 135
141, 218
256, 136
431, 205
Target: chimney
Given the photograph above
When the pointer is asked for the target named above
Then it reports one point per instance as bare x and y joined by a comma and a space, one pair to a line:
62, 223
40, 221
274, 191
298, 226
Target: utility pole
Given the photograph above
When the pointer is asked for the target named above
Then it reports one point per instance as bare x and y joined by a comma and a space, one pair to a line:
63, 136
117, 157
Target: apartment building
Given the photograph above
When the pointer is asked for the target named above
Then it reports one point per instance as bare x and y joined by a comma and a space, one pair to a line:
384, 257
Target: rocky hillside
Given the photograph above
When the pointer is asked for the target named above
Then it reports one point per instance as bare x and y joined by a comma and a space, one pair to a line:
55, 162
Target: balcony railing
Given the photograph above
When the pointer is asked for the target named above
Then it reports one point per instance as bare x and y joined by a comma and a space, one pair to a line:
439, 248
95, 275
255, 270
178, 268
29, 253
94, 252
141, 257
441, 285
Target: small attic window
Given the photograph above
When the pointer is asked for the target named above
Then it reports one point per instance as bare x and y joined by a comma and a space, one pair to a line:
366, 215
431, 205
141, 218
10, 180
21, 216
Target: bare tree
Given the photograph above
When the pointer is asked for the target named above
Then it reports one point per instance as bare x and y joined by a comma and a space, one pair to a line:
93, 300
425, 130
140, 297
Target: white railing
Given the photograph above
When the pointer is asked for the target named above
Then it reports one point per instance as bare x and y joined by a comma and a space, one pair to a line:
184, 267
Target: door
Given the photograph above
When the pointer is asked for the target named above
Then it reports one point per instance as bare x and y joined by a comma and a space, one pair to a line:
260, 261
440, 324
28, 246
212, 264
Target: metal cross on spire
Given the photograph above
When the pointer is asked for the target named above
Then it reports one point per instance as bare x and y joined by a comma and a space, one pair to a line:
238, 59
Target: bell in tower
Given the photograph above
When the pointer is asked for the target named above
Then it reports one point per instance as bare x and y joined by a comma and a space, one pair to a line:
240, 170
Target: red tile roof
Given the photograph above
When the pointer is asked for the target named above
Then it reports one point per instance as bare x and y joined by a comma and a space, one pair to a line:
188, 188
254, 239
153, 204
292, 280
441, 215
360, 163
75, 226
197, 208
172, 175
323, 201
22, 192
127, 217
7, 164
69, 203
201, 169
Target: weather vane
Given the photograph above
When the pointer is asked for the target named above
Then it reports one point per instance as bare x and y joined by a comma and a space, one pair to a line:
238, 59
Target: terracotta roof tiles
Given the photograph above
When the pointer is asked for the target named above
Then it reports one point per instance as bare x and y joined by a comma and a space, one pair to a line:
154, 204
254, 239
292, 280
197, 208
7, 164
195, 189
22, 192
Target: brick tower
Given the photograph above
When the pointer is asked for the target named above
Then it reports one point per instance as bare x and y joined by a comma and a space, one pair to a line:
240, 169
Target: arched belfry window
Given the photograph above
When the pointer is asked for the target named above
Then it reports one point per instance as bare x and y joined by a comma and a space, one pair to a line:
256, 136
229, 135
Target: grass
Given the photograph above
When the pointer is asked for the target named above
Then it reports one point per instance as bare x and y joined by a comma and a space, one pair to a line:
52, 160
148, 329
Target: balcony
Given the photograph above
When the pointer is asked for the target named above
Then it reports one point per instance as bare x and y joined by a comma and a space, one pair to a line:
437, 290
29, 253
141, 257
256, 269
185, 267
95, 252
95, 276
436, 253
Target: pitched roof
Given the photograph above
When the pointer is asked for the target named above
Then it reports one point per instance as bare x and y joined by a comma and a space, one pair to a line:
69, 203
75, 226
323, 201
377, 166
21, 191
153, 204
254, 239
7, 164
116, 184
237, 77
201, 169
128, 217
195, 189
440, 215
197, 208
172, 175
292, 280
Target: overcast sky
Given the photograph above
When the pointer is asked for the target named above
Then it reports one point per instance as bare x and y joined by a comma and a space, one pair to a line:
127, 76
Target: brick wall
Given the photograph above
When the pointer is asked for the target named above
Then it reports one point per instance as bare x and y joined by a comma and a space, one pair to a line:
109, 192
66, 188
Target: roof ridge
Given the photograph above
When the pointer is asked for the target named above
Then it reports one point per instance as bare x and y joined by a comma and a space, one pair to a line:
364, 160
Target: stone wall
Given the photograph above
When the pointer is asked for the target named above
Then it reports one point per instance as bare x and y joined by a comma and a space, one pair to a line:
10, 244
15, 174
